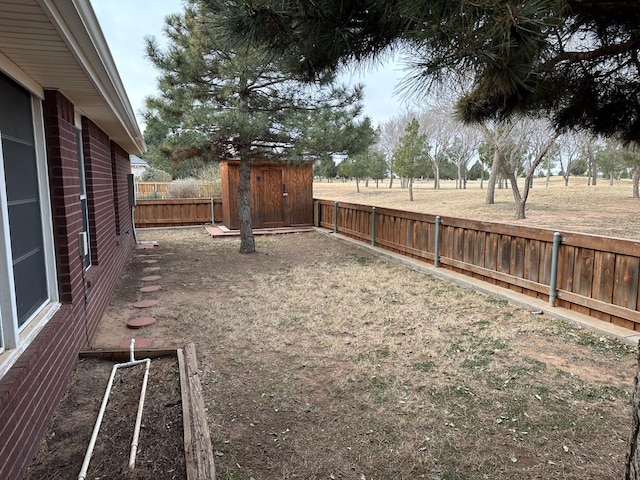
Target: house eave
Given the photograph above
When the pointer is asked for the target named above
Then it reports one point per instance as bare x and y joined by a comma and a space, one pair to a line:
58, 44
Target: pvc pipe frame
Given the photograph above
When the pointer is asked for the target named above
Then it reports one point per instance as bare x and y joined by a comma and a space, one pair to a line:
134, 443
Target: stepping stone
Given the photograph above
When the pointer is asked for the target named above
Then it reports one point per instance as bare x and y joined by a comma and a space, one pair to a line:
150, 288
141, 342
142, 247
151, 278
151, 269
145, 303
149, 261
140, 322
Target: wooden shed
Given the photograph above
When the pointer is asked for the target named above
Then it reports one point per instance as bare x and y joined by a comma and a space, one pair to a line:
281, 194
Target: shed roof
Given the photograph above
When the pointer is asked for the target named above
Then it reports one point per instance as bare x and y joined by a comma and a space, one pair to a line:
59, 45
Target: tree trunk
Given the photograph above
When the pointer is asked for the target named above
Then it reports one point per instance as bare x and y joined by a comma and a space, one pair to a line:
520, 200
493, 178
436, 175
611, 180
594, 173
411, 189
632, 471
247, 242
390, 178
566, 180
548, 173
636, 182
459, 180
357, 185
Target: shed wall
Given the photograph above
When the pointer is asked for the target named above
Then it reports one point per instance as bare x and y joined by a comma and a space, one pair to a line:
273, 204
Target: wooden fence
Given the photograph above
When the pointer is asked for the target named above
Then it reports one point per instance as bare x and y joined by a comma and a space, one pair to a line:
597, 276
177, 212
146, 189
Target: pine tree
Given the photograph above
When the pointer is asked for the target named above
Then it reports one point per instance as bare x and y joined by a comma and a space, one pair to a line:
411, 159
226, 101
572, 60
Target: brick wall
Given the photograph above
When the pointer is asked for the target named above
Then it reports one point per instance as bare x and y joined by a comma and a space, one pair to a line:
31, 390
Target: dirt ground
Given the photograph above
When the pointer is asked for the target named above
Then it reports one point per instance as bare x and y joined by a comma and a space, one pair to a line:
320, 360
160, 448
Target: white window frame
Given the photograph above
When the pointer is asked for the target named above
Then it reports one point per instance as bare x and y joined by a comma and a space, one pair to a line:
15, 339
87, 259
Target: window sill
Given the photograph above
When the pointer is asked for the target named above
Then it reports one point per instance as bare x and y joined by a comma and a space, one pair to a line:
10, 356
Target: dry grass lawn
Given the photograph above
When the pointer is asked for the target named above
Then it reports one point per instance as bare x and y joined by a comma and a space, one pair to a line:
322, 361
600, 209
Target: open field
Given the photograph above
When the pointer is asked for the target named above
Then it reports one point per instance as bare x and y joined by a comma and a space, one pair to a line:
322, 361
600, 209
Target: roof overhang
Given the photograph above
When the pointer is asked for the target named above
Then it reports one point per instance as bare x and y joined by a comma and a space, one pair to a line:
58, 44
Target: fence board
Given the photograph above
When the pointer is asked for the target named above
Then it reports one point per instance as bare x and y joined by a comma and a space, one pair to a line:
504, 254
604, 264
516, 267
532, 260
625, 286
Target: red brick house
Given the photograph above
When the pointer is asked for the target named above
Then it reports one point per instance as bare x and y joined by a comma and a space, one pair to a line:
66, 132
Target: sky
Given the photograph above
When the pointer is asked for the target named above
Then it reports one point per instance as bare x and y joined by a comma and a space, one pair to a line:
126, 23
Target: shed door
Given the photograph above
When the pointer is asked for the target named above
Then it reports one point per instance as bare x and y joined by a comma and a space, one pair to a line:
272, 198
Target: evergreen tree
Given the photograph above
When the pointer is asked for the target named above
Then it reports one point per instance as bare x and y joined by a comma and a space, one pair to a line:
376, 166
411, 158
225, 100
354, 167
573, 60
326, 167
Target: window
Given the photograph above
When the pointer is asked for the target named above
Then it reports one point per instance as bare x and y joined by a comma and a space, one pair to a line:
27, 263
83, 201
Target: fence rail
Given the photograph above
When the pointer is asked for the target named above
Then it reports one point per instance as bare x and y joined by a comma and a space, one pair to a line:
597, 276
177, 212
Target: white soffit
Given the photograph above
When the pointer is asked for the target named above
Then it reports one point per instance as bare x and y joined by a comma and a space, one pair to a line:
59, 45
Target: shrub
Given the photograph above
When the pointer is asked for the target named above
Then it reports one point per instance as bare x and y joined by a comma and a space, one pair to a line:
155, 175
187, 188
150, 196
210, 181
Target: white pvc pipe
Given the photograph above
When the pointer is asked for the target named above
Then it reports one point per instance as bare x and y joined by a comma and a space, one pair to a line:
136, 430
132, 362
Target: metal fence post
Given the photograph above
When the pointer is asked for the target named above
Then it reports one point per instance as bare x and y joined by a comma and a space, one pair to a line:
436, 253
373, 226
213, 220
335, 217
553, 292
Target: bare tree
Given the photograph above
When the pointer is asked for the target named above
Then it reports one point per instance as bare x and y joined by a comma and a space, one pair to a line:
389, 136
436, 122
500, 137
568, 152
464, 148
588, 150
520, 144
